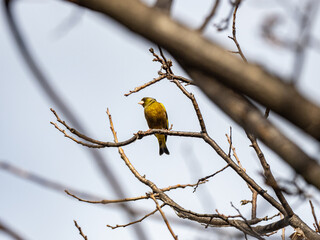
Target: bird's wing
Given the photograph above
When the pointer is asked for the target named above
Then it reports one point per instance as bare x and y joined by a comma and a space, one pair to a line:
166, 115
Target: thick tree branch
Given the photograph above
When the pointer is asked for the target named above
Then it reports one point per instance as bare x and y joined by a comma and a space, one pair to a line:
211, 59
254, 122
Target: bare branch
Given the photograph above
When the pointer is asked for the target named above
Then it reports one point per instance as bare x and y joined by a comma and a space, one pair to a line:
316, 223
254, 192
210, 176
108, 201
209, 59
254, 204
253, 140
201, 218
137, 221
271, 181
210, 16
137, 89
234, 31
101, 144
147, 196
224, 23
80, 230
164, 217
182, 186
195, 105
44, 82
240, 110
246, 221
283, 232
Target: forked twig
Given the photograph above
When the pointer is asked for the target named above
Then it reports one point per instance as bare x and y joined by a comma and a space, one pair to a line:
234, 31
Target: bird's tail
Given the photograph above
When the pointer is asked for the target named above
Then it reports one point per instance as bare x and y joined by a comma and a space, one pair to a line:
164, 149
162, 144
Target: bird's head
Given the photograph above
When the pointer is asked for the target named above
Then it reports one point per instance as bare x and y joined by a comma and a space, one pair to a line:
146, 101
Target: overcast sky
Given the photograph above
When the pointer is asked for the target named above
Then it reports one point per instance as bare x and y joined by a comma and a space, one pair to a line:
91, 61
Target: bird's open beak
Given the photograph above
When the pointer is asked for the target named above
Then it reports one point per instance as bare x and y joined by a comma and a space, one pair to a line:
141, 102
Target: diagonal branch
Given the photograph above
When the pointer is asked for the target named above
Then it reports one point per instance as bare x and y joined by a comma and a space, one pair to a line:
210, 16
164, 217
80, 230
267, 171
10, 232
244, 113
201, 218
213, 61
137, 221
51, 93
234, 32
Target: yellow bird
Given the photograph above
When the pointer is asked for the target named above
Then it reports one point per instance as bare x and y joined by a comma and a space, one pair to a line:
157, 118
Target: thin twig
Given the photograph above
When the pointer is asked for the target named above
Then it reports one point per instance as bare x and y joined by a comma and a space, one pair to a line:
182, 79
224, 23
269, 176
253, 140
283, 232
137, 89
108, 201
80, 230
167, 64
234, 31
101, 144
254, 192
254, 204
240, 214
252, 185
137, 221
210, 16
230, 143
210, 176
234, 152
96, 145
248, 230
167, 67
183, 186
147, 196
316, 223
270, 180
164, 217
195, 105
202, 218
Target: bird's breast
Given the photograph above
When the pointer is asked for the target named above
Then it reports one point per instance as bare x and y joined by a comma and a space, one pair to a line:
155, 117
